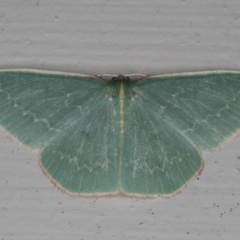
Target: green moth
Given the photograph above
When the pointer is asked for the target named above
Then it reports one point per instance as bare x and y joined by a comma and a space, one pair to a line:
134, 135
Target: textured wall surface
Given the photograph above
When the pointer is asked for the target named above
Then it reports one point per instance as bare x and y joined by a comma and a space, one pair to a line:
129, 36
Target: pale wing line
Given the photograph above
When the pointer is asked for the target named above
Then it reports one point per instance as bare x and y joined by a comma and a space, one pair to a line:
147, 138
29, 70
54, 126
195, 73
135, 156
66, 116
86, 152
33, 115
182, 109
212, 93
228, 102
97, 133
174, 104
169, 103
85, 75
181, 133
219, 110
70, 126
194, 124
104, 155
206, 107
166, 160
166, 100
141, 94
75, 120
142, 110
27, 112
61, 97
94, 136
184, 136
211, 115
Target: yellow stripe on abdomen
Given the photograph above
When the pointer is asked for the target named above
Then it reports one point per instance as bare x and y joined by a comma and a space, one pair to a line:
121, 104
121, 97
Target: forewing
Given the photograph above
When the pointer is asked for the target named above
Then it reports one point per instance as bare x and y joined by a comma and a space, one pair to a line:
204, 107
35, 106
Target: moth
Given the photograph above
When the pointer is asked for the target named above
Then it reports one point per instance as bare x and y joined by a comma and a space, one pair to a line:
135, 135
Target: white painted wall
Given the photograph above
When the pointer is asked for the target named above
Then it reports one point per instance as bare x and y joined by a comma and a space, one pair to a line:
128, 36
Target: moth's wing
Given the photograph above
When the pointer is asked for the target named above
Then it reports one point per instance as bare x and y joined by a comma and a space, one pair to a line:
204, 107
157, 158
169, 120
35, 106
72, 118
